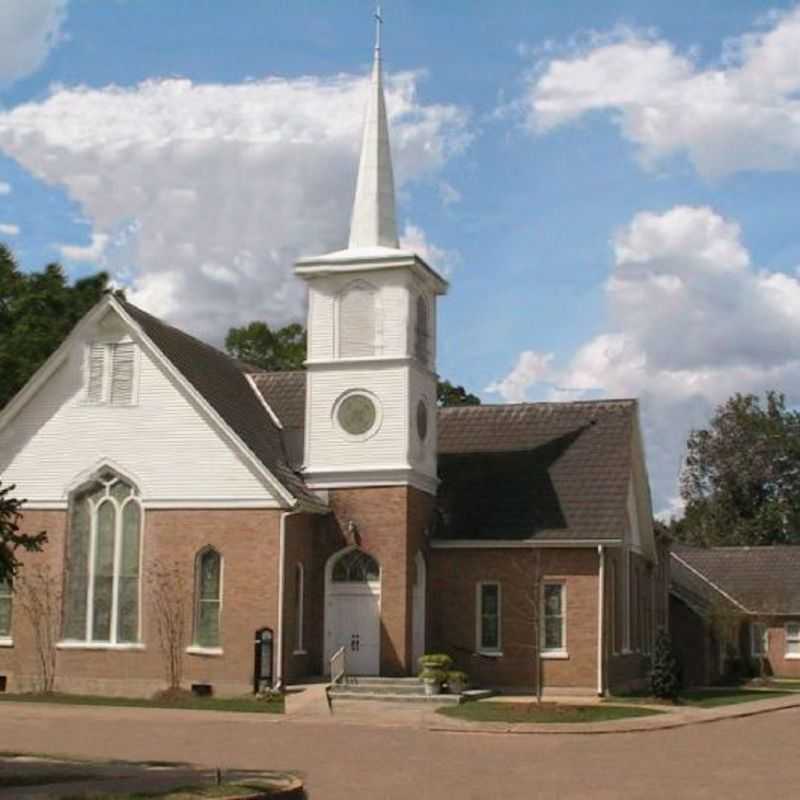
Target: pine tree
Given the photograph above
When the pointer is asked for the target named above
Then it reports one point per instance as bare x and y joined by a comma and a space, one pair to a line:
665, 676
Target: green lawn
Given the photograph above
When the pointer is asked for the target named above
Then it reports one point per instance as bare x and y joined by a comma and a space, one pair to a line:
706, 698
488, 711
246, 704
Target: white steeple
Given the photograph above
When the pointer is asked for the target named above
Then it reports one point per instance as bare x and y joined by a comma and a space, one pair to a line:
373, 222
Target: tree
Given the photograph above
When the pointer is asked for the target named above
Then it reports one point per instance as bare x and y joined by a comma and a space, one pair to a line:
169, 592
665, 676
37, 311
449, 395
11, 539
741, 477
38, 593
259, 345
285, 349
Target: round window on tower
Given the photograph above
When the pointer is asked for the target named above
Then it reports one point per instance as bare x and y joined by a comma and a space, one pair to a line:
422, 420
357, 414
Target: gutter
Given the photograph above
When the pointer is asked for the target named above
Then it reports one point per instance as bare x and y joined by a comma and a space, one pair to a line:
278, 679
601, 555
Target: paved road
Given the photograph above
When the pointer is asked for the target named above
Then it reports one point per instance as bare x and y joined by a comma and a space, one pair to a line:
740, 758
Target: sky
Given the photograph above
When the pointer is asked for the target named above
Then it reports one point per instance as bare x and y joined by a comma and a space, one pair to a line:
611, 188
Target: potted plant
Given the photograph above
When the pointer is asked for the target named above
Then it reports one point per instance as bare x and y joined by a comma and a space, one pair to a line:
432, 680
456, 681
440, 661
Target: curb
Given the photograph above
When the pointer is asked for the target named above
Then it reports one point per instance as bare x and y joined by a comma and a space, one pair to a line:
548, 729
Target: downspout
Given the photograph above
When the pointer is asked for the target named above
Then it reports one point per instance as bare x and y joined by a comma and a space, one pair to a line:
278, 681
601, 582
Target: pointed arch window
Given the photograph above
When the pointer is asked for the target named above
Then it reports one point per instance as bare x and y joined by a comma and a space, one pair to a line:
356, 566
102, 591
357, 320
208, 599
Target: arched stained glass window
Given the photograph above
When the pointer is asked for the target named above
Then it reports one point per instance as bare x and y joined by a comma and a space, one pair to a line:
103, 549
356, 566
208, 599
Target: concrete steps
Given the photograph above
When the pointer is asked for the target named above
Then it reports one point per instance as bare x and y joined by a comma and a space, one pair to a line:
393, 690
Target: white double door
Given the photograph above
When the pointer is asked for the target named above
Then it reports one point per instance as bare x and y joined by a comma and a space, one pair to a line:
354, 622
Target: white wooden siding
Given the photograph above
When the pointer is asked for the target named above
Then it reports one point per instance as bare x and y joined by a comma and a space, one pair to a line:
162, 441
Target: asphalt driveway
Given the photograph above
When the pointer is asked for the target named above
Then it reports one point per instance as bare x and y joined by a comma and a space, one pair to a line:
736, 758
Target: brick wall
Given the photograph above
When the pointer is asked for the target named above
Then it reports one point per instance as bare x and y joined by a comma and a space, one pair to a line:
248, 542
453, 578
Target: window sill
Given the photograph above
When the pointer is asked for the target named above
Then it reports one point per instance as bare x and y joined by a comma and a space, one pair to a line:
300, 653
75, 645
194, 650
555, 654
490, 653
792, 656
6, 641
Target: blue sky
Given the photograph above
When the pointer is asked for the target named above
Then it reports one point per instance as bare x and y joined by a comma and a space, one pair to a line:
612, 187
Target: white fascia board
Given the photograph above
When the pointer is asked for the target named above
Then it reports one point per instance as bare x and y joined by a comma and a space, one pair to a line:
199, 402
345, 478
263, 401
370, 361
166, 503
39, 378
372, 259
510, 544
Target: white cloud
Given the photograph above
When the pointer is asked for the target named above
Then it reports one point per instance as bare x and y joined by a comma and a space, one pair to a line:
741, 113
444, 261
7, 229
208, 193
531, 368
91, 253
448, 194
5, 188
693, 321
29, 29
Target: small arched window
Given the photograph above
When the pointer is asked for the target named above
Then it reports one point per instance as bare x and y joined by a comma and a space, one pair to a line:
357, 321
103, 548
208, 599
356, 566
422, 331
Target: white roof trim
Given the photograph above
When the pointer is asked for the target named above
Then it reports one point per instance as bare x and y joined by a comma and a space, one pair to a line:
263, 401
711, 583
491, 544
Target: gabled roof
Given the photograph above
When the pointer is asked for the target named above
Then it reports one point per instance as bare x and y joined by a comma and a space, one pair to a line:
759, 580
221, 382
546, 470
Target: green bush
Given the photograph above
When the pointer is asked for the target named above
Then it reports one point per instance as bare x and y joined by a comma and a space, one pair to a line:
457, 681
439, 661
665, 676
429, 674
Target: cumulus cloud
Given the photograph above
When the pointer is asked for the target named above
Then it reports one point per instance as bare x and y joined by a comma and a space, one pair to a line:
206, 194
5, 188
740, 113
29, 29
8, 229
693, 321
90, 253
415, 239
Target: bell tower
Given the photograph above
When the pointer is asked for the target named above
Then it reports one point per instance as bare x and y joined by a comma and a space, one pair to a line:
371, 368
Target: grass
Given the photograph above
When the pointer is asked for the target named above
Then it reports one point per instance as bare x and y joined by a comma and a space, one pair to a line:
487, 711
242, 704
705, 698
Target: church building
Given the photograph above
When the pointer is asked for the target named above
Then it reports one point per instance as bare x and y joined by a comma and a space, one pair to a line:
331, 514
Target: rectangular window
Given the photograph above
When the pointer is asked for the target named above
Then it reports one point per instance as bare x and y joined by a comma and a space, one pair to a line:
758, 639
122, 366
111, 373
612, 606
299, 589
793, 639
5, 610
488, 601
97, 370
554, 613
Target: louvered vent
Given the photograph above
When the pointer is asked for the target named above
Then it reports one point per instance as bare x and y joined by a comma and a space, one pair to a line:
97, 363
357, 322
122, 369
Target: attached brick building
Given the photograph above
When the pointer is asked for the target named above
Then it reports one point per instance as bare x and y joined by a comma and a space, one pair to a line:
333, 510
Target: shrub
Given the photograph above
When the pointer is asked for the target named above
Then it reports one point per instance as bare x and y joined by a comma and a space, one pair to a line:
665, 676
457, 681
431, 675
440, 661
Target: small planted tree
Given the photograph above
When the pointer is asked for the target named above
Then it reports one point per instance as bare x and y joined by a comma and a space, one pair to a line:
11, 538
169, 592
38, 593
665, 676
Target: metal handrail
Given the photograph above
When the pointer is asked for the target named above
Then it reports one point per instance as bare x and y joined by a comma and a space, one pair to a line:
338, 666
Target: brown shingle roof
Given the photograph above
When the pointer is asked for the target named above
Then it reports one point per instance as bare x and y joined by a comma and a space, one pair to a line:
221, 382
761, 579
552, 470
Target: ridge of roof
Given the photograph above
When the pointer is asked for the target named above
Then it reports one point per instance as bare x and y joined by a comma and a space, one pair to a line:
621, 401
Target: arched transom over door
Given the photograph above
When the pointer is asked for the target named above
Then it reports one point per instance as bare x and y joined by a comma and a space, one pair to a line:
352, 611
